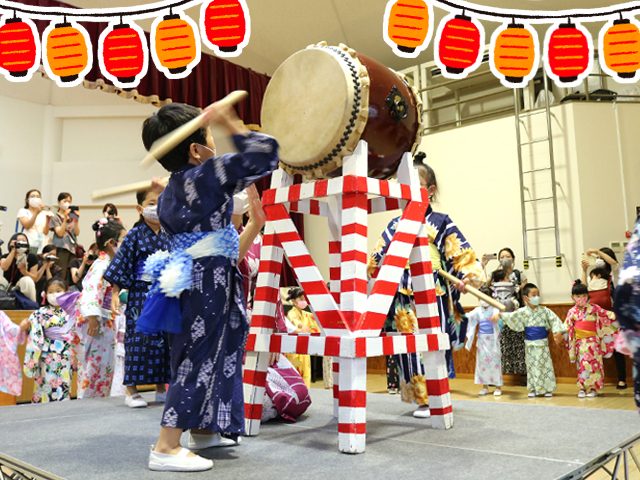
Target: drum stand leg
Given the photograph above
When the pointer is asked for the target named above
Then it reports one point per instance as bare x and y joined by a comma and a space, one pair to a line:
352, 405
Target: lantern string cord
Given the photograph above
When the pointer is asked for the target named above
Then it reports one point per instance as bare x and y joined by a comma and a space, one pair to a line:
594, 14
96, 15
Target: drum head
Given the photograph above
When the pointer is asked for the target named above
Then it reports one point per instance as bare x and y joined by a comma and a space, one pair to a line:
311, 100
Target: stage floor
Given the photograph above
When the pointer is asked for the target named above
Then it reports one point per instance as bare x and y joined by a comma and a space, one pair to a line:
103, 440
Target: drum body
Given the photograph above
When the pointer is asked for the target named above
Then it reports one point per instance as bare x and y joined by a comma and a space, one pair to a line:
323, 100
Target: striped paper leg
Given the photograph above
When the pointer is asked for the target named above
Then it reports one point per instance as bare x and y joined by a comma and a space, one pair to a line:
437, 376
262, 321
352, 418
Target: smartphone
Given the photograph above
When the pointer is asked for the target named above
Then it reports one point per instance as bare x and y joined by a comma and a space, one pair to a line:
591, 259
492, 256
74, 209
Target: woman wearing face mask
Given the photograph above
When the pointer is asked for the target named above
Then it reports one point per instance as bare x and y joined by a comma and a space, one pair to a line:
34, 218
79, 268
20, 267
66, 230
450, 252
48, 355
94, 327
512, 343
146, 358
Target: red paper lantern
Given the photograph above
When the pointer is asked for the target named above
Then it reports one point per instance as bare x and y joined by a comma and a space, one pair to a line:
123, 53
18, 50
225, 24
568, 53
459, 44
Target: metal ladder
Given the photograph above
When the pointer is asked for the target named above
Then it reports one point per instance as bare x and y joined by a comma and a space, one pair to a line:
551, 168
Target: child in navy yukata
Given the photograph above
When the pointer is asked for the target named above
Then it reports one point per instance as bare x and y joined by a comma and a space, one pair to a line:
146, 359
206, 390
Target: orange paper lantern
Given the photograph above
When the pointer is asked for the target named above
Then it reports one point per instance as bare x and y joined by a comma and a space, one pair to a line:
18, 49
225, 25
66, 54
514, 53
408, 25
123, 53
175, 44
621, 47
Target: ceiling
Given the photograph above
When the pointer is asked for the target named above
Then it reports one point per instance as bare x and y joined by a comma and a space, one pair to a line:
282, 27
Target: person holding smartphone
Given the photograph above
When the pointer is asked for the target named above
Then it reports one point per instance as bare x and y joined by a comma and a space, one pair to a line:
20, 268
66, 229
34, 219
79, 268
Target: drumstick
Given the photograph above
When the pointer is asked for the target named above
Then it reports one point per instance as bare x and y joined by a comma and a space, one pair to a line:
122, 189
473, 291
165, 144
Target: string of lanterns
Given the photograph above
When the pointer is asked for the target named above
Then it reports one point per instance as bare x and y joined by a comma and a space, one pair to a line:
123, 53
514, 50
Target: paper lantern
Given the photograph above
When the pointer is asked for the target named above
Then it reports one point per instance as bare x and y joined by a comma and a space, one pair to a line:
568, 53
459, 43
66, 50
19, 51
514, 54
407, 26
225, 26
123, 54
621, 46
176, 50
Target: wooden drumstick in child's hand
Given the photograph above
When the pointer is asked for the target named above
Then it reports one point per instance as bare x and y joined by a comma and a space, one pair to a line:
165, 144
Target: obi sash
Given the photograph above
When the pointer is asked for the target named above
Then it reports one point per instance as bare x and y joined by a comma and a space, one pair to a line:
59, 333
171, 273
535, 333
486, 328
585, 329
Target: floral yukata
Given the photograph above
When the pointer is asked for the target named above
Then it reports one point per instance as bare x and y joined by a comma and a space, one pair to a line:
590, 338
541, 377
302, 363
488, 356
206, 390
48, 358
10, 372
627, 306
146, 359
450, 251
96, 355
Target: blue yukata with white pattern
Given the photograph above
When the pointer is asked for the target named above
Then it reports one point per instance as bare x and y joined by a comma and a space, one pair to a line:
206, 357
146, 360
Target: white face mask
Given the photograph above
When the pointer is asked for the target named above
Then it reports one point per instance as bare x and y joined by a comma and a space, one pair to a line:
65, 206
213, 152
600, 263
52, 298
151, 213
484, 304
35, 202
535, 301
22, 250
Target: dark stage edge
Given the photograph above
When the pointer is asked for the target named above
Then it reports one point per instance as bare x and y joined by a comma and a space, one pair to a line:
102, 439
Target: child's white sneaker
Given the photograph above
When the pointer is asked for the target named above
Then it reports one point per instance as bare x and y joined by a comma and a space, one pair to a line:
201, 442
161, 462
135, 401
393, 391
484, 391
531, 394
422, 412
497, 392
592, 393
548, 394
582, 394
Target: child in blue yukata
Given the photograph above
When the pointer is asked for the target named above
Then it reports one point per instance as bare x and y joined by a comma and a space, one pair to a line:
206, 392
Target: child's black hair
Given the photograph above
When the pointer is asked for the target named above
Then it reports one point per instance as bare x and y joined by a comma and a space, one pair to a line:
166, 120
105, 232
50, 282
141, 196
528, 287
486, 290
426, 170
579, 288
295, 292
600, 271
499, 275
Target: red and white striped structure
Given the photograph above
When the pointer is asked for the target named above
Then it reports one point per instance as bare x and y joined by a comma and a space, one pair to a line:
351, 319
